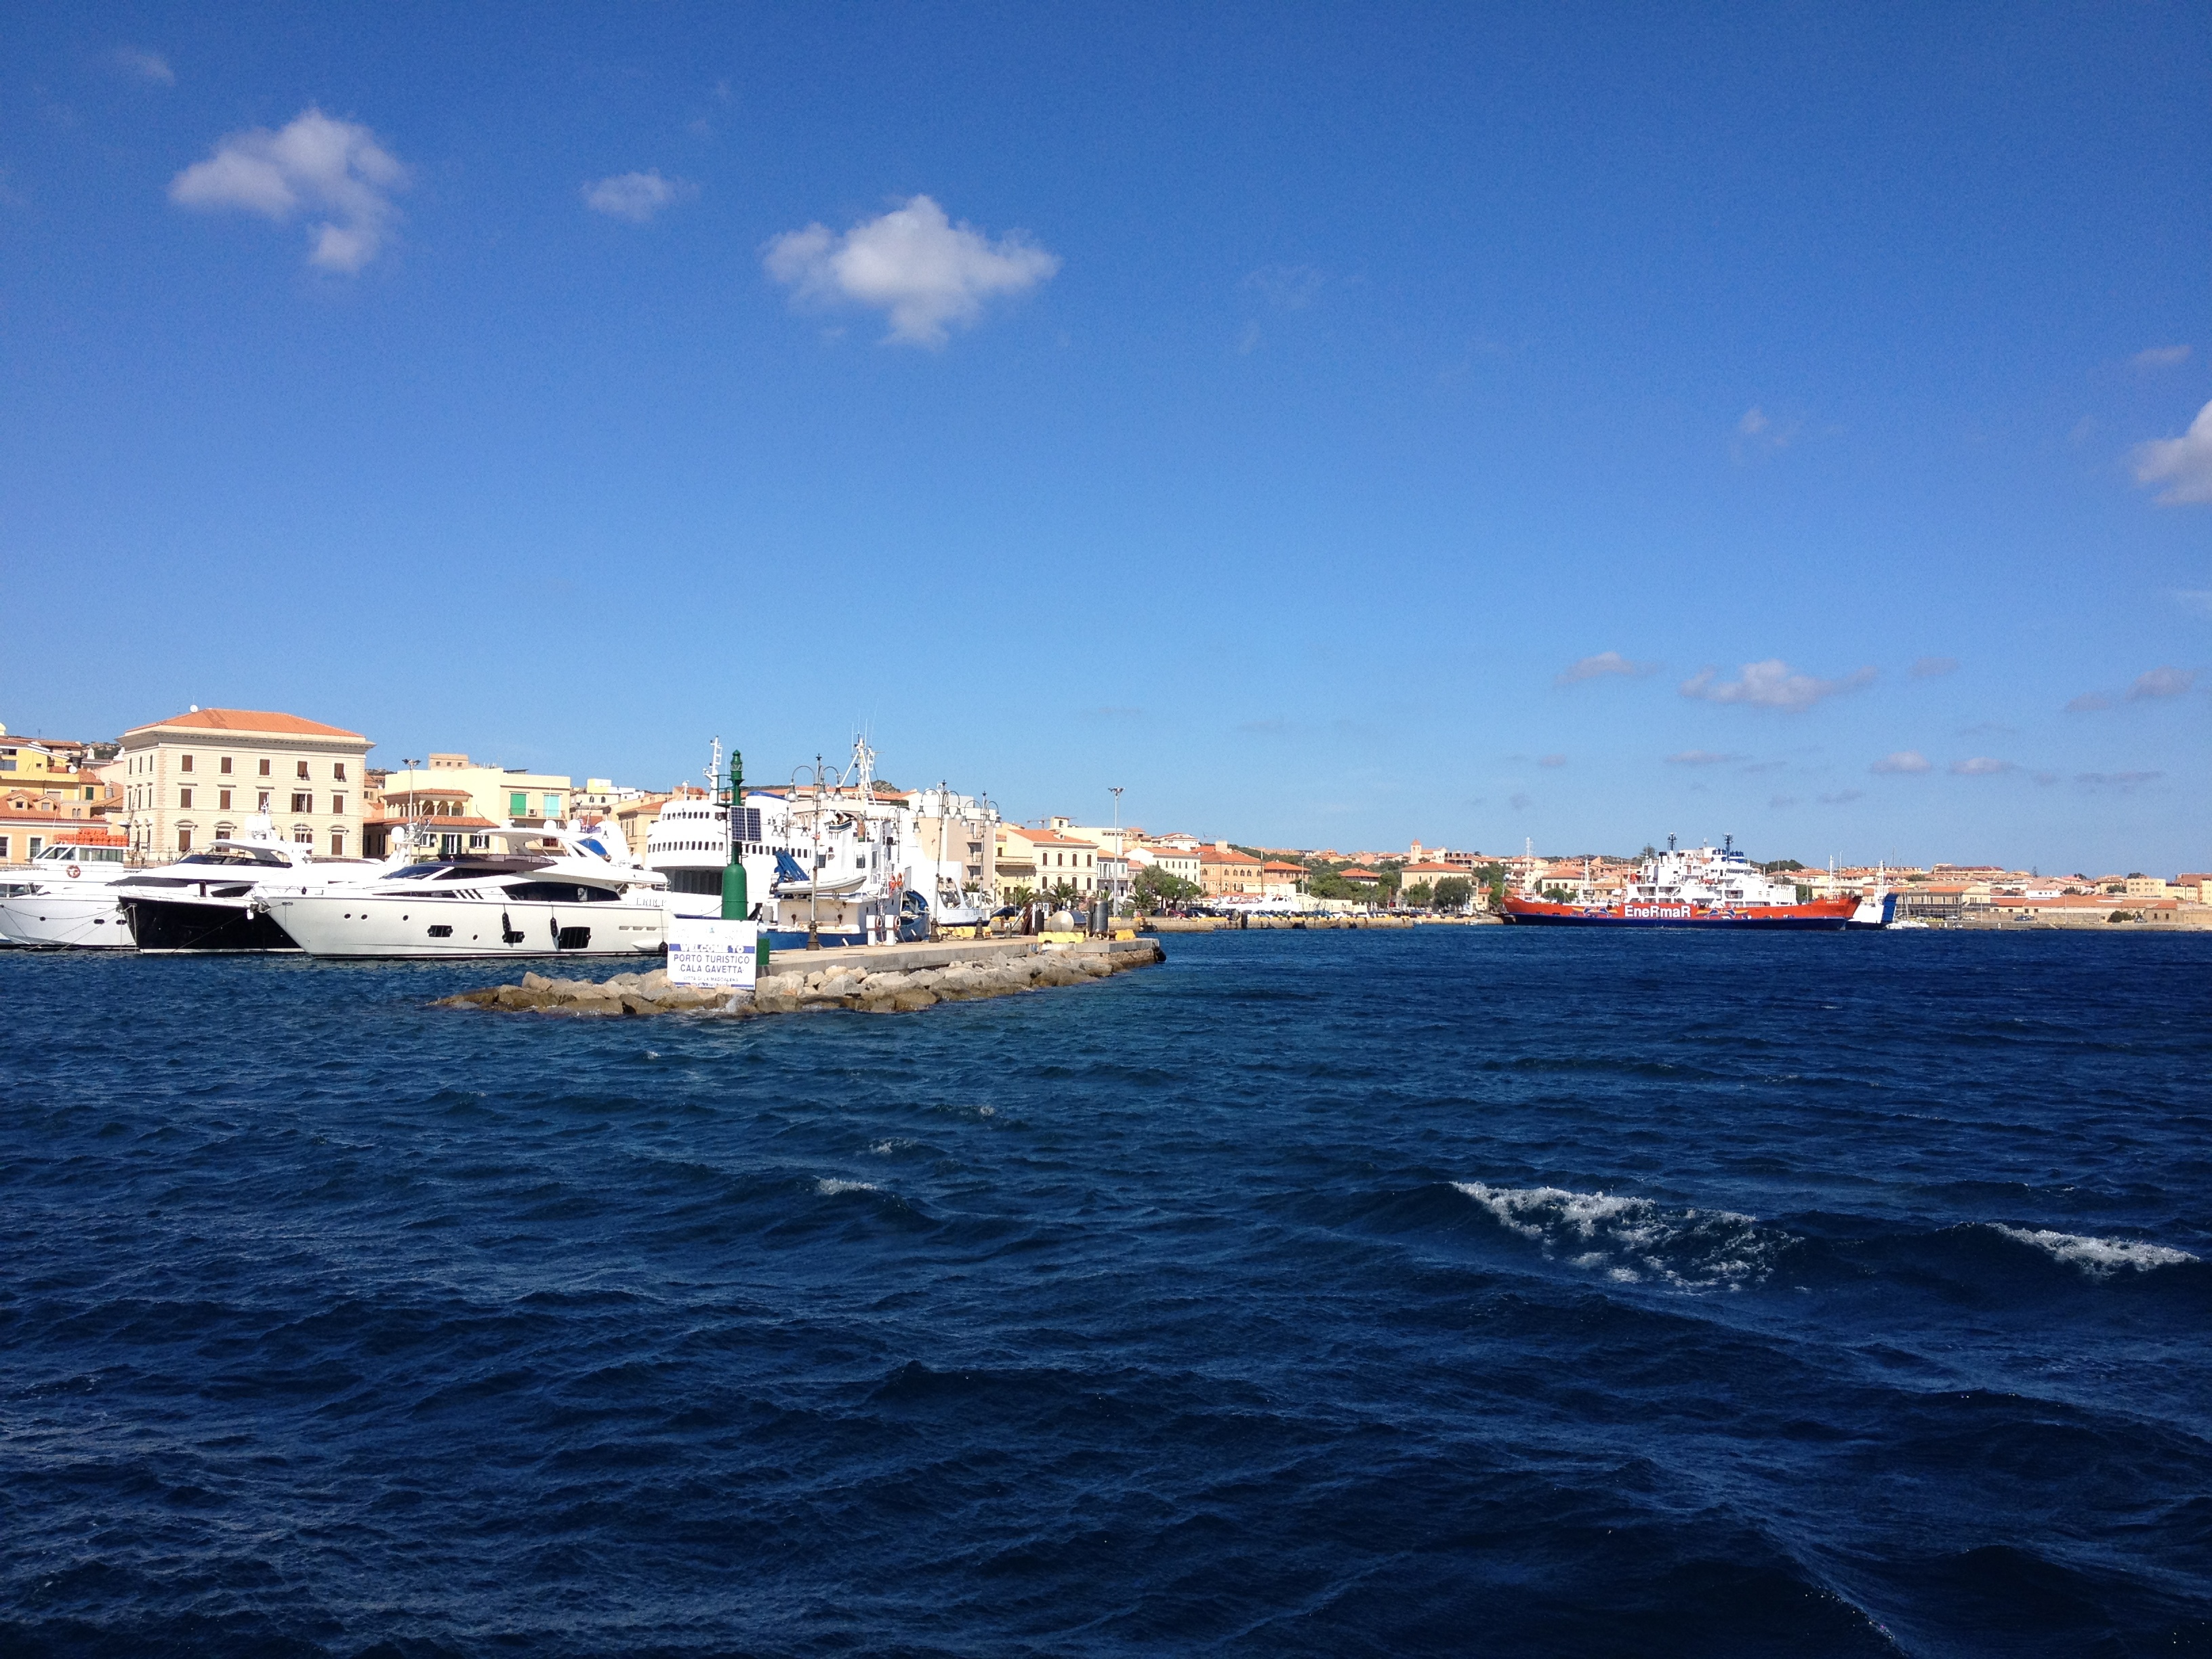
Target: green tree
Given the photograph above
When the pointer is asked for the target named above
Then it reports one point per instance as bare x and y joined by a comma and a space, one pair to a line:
1420, 895
1064, 894
1156, 890
1020, 897
1454, 893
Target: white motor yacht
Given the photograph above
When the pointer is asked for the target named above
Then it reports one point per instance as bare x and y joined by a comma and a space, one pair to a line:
203, 902
64, 899
555, 891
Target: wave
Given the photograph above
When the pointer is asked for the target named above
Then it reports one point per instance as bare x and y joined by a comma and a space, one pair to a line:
829, 1187
1634, 1240
2100, 1258
1639, 1241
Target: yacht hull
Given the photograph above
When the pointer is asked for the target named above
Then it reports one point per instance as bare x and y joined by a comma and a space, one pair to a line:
379, 925
78, 920
180, 927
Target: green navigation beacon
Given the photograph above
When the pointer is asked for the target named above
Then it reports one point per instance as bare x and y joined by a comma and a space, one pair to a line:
735, 905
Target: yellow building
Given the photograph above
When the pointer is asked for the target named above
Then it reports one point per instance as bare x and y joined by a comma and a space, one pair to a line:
496, 792
190, 778
23, 761
1043, 859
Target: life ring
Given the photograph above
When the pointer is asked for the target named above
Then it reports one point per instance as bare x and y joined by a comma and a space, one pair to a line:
74, 872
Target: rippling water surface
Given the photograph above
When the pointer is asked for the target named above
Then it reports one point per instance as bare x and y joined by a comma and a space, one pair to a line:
1469, 1291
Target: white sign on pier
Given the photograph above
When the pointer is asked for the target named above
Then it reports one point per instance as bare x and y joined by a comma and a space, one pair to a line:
716, 953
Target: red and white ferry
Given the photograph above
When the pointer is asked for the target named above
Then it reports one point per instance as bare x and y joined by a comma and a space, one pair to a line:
1704, 886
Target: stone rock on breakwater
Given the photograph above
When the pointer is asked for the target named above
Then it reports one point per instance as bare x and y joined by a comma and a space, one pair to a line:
839, 985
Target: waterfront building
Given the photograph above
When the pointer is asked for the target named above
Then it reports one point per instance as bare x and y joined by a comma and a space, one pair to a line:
1223, 871
496, 794
1278, 880
1429, 873
198, 775
1114, 840
1062, 858
23, 762
1168, 858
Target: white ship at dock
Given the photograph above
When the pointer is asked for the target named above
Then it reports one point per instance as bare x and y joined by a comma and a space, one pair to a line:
837, 859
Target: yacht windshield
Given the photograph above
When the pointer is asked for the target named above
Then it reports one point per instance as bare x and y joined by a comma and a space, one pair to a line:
237, 855
413, 872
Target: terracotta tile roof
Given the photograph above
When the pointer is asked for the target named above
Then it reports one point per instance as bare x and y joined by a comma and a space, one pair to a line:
261, 720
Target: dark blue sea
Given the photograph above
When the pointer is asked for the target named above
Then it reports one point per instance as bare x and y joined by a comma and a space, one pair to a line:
1467, 1291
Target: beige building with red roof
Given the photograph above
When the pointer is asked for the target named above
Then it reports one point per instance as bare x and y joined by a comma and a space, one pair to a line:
1040, 860
1222, 870
199, 775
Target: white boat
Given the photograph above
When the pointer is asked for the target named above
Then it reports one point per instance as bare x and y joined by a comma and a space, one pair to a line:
689, 843
64, 899
556, 891
203, 902
835, 862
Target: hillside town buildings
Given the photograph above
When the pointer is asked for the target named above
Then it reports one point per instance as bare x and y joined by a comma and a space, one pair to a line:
172, 785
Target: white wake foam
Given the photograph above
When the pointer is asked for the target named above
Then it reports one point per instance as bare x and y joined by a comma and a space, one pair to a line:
829, 1189
1633, 1239
2100, 1258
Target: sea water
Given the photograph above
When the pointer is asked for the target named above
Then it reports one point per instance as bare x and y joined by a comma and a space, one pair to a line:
1460, 1290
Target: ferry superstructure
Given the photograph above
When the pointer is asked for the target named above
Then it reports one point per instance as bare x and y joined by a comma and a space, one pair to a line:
1704, 886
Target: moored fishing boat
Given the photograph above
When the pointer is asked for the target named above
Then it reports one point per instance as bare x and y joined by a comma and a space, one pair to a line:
1703, 886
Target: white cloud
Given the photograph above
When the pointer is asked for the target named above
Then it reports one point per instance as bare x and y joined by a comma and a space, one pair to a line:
2194, 598
1700, 757
1287, 287
1771, 685
1981, 766
1903, 761
2182, 465
146, 65
1929, 668
2171, 357
2088, 703
2162, 683
1759, 432
635, 197
914, 264
333, 171
1601, 665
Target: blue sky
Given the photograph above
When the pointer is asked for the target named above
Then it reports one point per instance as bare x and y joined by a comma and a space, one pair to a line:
1266, 410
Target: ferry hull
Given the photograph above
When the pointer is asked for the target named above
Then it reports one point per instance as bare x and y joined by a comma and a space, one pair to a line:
1825, 916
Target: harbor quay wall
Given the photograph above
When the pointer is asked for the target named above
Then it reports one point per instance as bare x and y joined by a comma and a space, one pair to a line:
881, 979
1303, 924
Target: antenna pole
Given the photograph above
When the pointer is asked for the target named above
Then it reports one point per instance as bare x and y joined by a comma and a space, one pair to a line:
736, 901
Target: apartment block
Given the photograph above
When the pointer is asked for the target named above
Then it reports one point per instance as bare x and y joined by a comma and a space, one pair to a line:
197, 776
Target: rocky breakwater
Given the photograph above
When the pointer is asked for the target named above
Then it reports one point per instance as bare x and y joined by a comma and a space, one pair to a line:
883, 987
